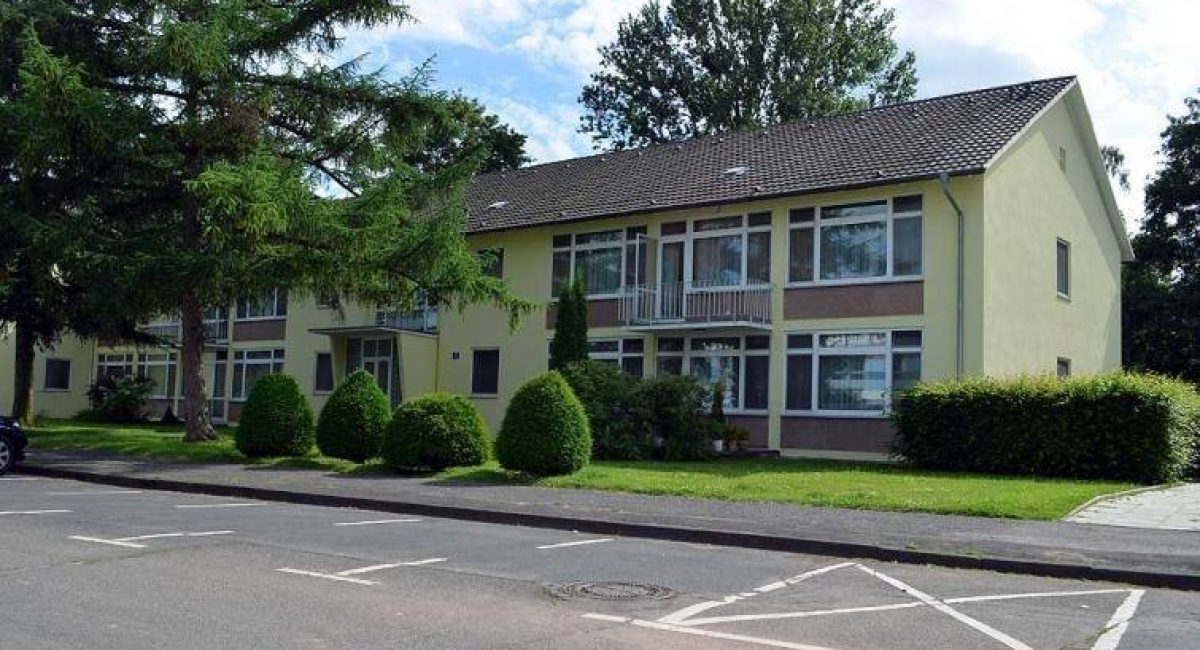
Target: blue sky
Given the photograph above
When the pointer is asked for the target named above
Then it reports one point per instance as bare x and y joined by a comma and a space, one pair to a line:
527, 59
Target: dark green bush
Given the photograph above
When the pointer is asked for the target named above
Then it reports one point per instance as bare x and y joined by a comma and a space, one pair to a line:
276, 419
545, 430
1130, 427
609, 397
352, 423
118, 399
436, 431
675, 411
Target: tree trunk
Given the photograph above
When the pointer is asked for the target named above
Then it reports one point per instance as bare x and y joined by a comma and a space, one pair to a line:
195, 397
22, 406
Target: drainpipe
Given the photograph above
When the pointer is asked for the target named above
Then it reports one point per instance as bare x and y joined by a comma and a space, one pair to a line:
959, 280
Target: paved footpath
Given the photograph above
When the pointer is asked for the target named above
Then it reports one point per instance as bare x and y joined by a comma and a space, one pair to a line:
1176, 508
1063, 549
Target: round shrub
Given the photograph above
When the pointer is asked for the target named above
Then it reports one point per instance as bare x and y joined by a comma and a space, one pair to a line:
276, 419
545, 430
435, 431
352, 423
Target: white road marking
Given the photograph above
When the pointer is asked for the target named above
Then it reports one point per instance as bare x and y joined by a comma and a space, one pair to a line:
222, 505
380, 567
1043, 594
1115, 629
680, 617
580, 543
657, 625
20, 478
207, 533
377, 522
607, 618
328, 576
432, 560
113, 542
33, 512
948, 610
88, 493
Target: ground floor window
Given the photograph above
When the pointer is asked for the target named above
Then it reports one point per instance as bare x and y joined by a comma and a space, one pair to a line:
159, 368
114, 365
250, 365
741, 363
323, 377
850, 372
58, 374
627, 354
485, 372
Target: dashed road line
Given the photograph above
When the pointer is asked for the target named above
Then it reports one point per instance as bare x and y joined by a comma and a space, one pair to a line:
20, 478
377, 522
90, 493
221, 505
579, 543
33, 512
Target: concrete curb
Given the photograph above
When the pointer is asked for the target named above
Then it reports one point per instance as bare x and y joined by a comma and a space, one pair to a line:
1180, 581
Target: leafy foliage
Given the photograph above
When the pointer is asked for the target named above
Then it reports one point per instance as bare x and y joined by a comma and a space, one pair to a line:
436, 431
276, 419
119, 399
676, 410
694, 67
570, 343
352, 423
609, 396
1120, 426
545, 429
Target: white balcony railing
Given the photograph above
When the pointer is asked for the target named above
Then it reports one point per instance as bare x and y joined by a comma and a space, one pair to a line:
696, 303
418, 320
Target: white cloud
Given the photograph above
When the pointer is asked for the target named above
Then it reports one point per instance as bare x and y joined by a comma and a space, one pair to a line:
574, 41
551, 130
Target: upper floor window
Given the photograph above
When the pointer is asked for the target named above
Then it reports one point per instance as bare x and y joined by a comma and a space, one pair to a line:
856, 241
605, 260
1063, 268
270, 304
725, 252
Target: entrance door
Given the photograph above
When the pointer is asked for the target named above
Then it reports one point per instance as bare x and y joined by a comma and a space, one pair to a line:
216, 377
670, 278
377, 360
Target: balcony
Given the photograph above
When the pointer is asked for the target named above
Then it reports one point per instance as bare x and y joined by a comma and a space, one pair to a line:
696, 305
418, 320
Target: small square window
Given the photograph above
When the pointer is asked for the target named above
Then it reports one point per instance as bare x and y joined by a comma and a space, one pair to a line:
492, 260
58, 374
485, 372
1063, 367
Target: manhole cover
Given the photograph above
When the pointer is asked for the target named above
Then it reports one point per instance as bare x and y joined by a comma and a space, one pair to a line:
611, 591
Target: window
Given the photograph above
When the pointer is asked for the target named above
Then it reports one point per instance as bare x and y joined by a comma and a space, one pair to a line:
492, 260
328, 300
1063, 367
627, 354
1063, 268
58, 374
159, 368
850, 372
604, 260
485, 372
742, 364
727, 253
114, 365
249, 365
323, 378
856, 241
271, 304
374, 355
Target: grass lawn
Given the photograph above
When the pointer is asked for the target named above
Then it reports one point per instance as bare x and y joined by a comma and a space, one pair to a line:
870, 486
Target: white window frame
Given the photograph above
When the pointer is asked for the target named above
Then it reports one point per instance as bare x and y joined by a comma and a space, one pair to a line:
241, 360
690, 236
275, 314
165, 360
818, 223
687, 354
377, 358
123, 360
888, 350
574, 248
620, 354
46, 376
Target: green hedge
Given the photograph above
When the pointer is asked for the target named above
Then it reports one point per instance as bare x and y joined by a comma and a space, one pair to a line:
276, 419
436, 431
352, 423
1129, 427
545, 430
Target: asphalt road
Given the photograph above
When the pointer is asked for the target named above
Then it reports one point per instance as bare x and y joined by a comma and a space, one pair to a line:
87, 566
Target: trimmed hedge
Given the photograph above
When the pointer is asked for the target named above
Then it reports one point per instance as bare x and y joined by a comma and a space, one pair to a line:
1130, 427
436, 431
545, 430
276, 420
352, 423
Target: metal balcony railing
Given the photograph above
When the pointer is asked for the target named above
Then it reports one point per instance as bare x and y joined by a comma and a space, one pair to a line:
418, 320
696, 303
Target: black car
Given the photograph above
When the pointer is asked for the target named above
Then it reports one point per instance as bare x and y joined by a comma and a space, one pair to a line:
12, 443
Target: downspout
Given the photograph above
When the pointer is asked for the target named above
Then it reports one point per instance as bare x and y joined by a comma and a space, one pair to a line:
959, 279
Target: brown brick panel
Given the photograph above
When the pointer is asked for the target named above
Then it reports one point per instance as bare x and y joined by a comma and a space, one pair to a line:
233, 411
849, 301
601, 313
260, 330
759, 427
837, 434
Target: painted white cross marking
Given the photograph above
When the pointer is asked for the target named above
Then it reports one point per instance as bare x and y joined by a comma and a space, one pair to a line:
345, 576
132, 542
579, 543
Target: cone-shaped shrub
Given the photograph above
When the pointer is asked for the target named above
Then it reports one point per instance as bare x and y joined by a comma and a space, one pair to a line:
436, 431
352, 423
276, 419
545, 430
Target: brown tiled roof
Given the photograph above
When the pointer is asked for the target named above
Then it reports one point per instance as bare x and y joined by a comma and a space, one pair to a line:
957, 134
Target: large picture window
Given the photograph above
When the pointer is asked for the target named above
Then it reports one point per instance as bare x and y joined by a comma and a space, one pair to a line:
852, 373
742, 363
856, 241
605, 260
250, 365
271, 304
727, 253
114, 365
159, 368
